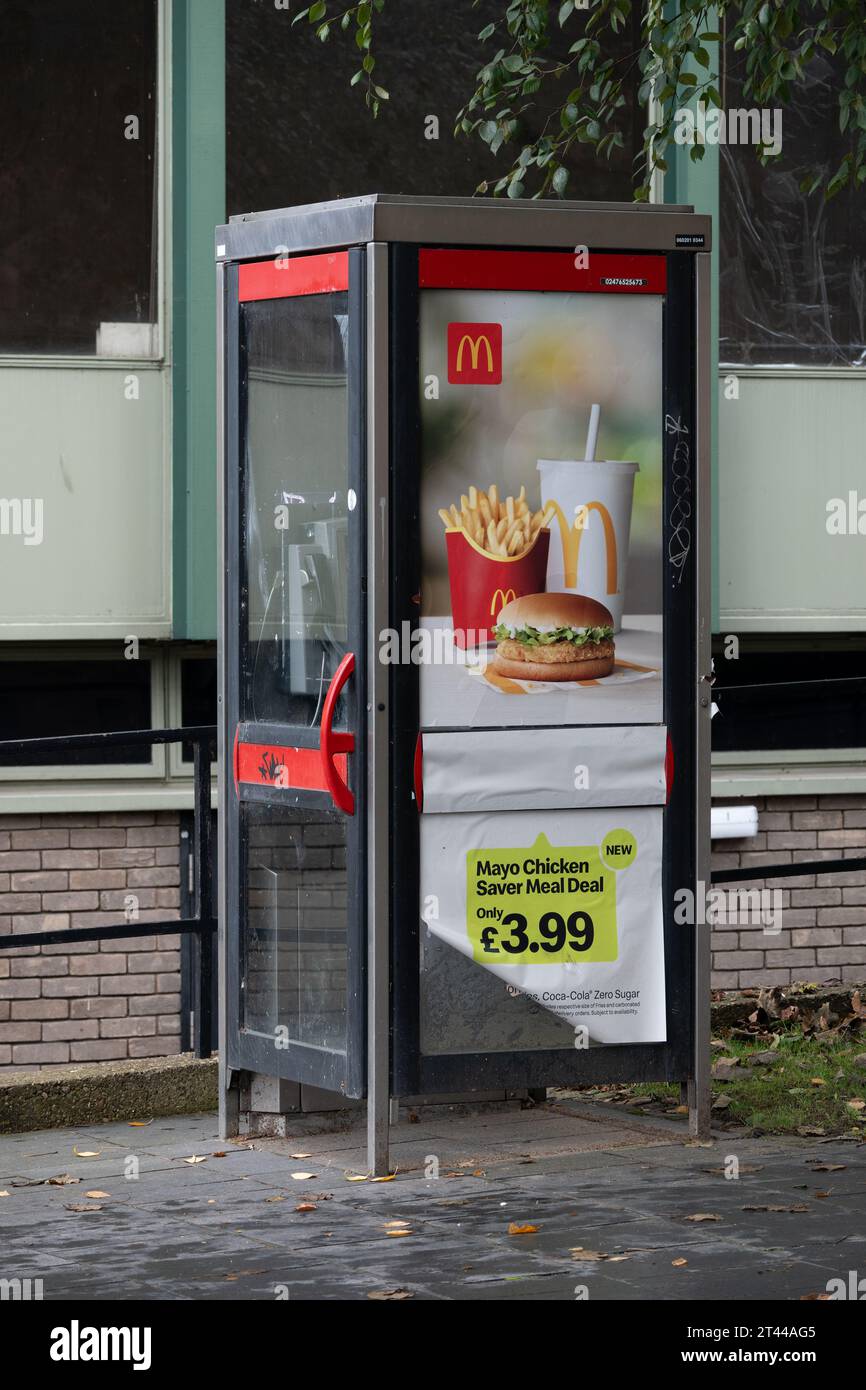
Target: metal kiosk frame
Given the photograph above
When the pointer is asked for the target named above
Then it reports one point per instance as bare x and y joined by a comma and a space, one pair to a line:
376, 242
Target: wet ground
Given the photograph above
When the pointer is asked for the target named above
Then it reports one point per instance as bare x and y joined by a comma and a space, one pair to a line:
611, 1196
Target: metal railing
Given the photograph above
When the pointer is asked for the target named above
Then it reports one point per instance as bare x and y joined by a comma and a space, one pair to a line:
203, 924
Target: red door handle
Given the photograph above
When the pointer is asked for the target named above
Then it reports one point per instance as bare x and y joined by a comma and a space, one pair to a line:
331, 743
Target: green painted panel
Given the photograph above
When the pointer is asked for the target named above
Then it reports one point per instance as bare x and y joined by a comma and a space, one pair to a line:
198, 204
84, 529
788, 446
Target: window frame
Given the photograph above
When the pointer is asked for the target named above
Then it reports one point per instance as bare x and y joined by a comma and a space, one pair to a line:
177, 770
150, 771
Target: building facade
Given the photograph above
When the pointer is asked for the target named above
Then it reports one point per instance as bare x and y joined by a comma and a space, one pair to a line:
138, 128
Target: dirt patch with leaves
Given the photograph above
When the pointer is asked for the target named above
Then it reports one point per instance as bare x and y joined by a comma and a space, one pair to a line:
793, 1065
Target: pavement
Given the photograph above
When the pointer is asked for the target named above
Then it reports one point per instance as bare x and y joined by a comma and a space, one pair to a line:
610, 1195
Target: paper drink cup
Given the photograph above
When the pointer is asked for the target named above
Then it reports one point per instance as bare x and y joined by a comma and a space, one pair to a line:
482, 584
590, 528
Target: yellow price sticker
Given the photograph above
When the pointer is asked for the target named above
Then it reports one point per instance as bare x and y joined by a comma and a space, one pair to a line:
545, 904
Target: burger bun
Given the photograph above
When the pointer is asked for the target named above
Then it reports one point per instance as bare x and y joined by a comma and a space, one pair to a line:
547, 611
592, 669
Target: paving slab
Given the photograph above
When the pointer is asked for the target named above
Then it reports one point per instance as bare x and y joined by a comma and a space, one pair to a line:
227, 1229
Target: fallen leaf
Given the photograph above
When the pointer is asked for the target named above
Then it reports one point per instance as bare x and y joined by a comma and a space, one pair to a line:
578, 1253
356, 1177
218, 1155
680, 1110
400, 1231
211, 1201
677, 1264
810, 1131
824, 1194
856, 1104
96, 1193
139, 1124
62, 1180
277, 1198
306, 1206
817, 1081
194, 1159
703, 1216
303, 1177
515, 1229
83, 1206
798, 1206
828, 1167
4, 1194
300, 1155
390, 1225
87, 1153
389, 1178
814, 1298
390, 1295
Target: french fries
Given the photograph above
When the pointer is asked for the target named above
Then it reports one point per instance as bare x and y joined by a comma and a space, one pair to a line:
505, 528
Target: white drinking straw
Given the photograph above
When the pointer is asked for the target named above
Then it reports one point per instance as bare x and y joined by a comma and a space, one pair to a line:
592, 433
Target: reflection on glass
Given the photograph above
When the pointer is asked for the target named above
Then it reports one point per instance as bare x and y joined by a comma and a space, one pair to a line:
295, 939
296, 504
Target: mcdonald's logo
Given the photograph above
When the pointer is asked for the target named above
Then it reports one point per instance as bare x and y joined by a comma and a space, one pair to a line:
572, 534
475, 354
499, 600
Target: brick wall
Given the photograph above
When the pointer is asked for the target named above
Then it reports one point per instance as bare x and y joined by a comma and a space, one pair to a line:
89, 1001
823, 920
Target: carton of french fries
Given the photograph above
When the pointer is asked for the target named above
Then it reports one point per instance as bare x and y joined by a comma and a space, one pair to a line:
497, 551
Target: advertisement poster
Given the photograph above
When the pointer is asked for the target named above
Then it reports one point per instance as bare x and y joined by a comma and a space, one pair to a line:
541, 611
563, 906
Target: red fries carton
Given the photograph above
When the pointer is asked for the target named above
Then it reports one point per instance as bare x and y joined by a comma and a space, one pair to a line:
482, 584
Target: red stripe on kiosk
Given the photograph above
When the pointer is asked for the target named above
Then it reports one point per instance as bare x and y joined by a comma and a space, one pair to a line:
541, 270
286, 277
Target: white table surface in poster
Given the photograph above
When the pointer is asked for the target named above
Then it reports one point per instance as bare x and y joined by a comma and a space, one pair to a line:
455, 693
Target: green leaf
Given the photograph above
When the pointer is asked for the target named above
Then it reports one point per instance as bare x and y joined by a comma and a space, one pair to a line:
565, 11
515, 189
486, 32
560, 180
317, 11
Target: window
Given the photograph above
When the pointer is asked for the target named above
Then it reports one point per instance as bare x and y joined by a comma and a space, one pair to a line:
309, 138
52, 693
792, 283
777, 700
78, 183
198, 696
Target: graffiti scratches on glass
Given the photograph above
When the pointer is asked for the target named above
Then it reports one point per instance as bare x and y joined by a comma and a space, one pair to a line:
680, 539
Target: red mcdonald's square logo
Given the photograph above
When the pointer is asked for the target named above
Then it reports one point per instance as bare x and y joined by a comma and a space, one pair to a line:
475, 354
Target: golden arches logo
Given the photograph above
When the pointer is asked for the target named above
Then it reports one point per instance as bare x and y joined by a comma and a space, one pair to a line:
499, 600
474, 352
572, 534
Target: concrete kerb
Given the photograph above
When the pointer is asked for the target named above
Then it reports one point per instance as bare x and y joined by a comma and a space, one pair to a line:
95, 1092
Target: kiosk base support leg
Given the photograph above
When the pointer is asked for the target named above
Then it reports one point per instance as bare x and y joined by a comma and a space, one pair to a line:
229, 1102
698, 1101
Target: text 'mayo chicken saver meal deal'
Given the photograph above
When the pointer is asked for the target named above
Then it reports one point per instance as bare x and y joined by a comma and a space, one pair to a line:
542, 743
